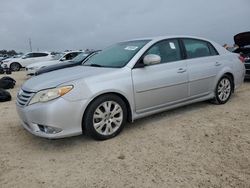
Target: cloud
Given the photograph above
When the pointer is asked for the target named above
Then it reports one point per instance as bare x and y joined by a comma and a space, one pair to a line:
77, 24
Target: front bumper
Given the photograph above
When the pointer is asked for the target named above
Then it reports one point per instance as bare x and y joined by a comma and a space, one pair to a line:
5, 65
60, 113
31, 71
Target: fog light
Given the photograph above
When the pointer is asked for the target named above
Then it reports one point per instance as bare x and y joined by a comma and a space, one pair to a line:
49, 130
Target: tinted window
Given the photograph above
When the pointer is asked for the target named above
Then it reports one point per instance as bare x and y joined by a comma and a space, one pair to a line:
39, 54
72, 55
168, 50
30, 55
196, 48
212, 49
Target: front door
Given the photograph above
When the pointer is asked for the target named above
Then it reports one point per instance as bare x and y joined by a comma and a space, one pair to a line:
162, 84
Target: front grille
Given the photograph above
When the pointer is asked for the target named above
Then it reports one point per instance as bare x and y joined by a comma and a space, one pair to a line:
23, 97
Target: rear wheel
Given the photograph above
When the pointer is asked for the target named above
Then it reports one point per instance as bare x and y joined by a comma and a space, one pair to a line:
15, 66
105, 117
223, 90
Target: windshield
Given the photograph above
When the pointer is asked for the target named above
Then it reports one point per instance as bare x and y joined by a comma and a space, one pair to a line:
57, 56
80, 57
116, 56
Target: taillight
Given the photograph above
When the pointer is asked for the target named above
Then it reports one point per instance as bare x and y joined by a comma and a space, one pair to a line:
242, 59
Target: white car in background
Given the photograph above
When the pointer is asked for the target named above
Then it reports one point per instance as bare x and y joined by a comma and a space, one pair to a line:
15, 64
58, 58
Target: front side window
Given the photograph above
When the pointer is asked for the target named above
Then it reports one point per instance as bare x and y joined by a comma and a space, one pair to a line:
29, 55
117, 55
196, 48
168, 50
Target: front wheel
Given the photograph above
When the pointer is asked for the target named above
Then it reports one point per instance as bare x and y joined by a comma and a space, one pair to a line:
223, 90
105, 117
15, 66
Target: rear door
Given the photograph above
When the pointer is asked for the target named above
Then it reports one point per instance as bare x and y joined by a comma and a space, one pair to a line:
203, 65
158, 85
40, 57
27, 59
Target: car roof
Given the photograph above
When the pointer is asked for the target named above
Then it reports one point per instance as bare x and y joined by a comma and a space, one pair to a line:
38, 52
78, 51
158, 38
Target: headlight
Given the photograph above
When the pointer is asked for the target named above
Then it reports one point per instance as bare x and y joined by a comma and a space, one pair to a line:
50, 94
4, 65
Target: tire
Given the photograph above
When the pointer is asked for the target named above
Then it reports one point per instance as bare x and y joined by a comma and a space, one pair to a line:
105, 117
223, 91
15, 66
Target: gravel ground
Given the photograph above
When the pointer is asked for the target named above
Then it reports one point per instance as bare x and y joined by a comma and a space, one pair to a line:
200, 145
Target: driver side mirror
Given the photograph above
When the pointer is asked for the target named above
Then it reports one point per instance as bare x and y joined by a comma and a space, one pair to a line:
151, 59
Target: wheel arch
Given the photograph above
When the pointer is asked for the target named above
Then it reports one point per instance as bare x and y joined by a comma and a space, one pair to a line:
232, 77
225, 71
126, 101
17, 63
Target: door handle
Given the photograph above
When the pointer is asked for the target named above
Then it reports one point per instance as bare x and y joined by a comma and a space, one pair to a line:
181, 70
217, 64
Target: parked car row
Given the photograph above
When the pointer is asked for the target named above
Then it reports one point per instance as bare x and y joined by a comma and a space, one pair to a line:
127, 81
15, 64
78, 60
38, 63
61, 57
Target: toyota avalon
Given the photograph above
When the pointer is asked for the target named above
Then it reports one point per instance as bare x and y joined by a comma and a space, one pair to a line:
127, 81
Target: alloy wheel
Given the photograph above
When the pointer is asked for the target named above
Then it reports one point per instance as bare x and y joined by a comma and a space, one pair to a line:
224, 89
108, 118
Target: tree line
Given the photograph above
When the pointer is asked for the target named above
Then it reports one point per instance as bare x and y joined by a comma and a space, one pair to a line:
8, 52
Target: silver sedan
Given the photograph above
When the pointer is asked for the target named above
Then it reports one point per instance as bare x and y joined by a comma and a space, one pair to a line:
127, 81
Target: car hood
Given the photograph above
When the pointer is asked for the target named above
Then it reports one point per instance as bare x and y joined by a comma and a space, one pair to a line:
43, 63
9, 60
58, 77
242, 39
57, 67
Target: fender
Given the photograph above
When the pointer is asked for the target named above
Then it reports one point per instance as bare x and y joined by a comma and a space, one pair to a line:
222, 72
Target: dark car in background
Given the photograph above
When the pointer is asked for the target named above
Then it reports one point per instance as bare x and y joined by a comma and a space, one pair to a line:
78, 60
243, 41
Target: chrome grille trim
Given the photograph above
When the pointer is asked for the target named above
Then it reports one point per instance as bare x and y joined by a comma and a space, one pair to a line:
23, 97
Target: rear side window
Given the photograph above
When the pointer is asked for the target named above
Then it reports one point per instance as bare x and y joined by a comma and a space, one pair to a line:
168, 50
213, 51
40, 54
198, 48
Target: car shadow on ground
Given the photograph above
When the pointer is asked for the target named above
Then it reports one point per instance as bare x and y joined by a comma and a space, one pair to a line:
83, 140
173, 113
247, 80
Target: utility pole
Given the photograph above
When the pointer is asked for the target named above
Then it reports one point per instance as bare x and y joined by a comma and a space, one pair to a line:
30, 44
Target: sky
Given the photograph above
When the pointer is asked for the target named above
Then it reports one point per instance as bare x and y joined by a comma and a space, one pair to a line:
56, 25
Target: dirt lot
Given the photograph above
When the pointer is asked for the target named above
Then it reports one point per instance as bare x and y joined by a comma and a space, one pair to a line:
201, 145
